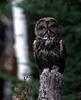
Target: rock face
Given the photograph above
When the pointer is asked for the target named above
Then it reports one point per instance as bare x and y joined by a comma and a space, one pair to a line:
51, 85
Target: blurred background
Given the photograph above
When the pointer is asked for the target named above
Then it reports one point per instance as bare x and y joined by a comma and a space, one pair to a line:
17, 21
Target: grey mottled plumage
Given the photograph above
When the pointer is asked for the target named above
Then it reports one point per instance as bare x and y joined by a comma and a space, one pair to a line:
49, 49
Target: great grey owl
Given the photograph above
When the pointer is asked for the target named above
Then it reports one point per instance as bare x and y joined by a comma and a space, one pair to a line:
49, 49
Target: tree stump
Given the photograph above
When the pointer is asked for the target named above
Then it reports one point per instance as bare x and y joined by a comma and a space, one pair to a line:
51, 85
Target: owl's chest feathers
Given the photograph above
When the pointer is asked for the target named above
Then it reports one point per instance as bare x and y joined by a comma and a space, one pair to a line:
49, 47
51, 44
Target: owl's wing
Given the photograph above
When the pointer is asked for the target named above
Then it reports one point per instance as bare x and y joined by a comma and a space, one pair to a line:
36, 48
62, 56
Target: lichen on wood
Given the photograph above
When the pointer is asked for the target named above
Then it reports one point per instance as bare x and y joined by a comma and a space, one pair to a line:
51, 85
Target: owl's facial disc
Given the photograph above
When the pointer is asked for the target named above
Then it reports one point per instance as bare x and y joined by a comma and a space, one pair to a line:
41, 29
47, 27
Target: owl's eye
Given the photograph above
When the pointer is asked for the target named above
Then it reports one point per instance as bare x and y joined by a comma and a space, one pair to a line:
41, 28
53, 28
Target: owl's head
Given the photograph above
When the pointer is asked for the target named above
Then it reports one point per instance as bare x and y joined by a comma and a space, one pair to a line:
47, 27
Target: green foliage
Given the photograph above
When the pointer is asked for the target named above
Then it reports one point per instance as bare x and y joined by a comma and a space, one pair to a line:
71, 97
35, 88
5, 9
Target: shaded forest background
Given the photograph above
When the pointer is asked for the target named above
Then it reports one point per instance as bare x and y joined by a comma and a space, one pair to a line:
68, 14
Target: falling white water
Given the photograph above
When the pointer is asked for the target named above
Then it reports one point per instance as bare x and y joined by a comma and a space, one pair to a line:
21, 42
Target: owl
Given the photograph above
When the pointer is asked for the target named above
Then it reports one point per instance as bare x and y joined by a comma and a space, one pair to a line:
49, 49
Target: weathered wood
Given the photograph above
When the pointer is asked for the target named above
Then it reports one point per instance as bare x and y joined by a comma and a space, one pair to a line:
51, 85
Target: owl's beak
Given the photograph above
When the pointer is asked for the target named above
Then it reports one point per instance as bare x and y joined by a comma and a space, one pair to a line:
49, 33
